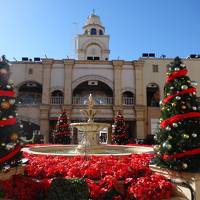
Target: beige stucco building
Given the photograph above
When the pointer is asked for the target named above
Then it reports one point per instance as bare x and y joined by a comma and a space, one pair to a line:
45, 86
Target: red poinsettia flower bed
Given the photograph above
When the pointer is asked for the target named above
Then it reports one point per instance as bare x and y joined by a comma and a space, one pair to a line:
110, 177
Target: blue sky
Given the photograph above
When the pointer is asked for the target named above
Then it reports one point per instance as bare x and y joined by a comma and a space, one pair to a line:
33, 28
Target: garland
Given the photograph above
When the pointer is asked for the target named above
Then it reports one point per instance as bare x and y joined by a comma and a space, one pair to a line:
9, 121
119, 136
178, 117
177, 74
7, 93
183, 154
10, 155
189, 90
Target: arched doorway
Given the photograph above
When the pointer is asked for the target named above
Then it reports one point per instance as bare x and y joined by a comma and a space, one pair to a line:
102, 93
30, 92
153, 95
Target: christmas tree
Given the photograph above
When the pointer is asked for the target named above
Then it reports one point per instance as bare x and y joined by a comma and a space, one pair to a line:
119, 135
9, 129
178, 137
62, 131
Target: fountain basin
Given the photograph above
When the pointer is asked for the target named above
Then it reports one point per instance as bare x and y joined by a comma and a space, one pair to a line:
90, 127
101, 150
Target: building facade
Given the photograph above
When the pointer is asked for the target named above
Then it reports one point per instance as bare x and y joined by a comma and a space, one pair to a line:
45, 86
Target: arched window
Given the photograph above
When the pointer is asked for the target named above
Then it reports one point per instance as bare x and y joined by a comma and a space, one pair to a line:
57, 97
100, 32
93, 31
153, 95
102, 93
128, 98
30, 92
57, 93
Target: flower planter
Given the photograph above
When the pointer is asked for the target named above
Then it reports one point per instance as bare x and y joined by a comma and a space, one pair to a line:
188, 184
11, 172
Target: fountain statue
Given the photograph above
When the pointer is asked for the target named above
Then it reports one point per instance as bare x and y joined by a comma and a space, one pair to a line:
90, 129
89, 144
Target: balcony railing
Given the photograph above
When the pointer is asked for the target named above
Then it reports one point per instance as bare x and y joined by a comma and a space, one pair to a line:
98, 100
128, 101
28, 100
75, 100
57, 100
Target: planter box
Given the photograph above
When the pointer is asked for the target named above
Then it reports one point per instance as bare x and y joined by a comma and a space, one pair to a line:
11, 172
182, 180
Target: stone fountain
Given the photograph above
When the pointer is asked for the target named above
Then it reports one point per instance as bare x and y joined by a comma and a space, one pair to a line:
90, 129
90, 142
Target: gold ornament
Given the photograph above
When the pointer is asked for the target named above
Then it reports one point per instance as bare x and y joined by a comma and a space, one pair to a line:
156, 147
174, 104
185, 136
170, 137
14, 137
5, 105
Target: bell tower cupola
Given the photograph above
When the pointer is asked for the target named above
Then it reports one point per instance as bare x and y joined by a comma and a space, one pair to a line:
93, 44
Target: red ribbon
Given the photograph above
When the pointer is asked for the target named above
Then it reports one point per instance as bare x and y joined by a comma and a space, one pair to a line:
178, 117
9, 121
119, 136
7, 93
176, 74
62, 125
10, 155
181, 155
62, 133
189, 90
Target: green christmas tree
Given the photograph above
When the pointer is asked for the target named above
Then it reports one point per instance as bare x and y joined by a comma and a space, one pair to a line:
62, 132
178, 137
119, 135
9, 129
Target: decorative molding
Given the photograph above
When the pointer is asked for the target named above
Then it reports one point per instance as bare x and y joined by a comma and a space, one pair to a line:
80, 80
27, 81
93, 41
117, 63
128, 89
47, 61
56, 88
69, 61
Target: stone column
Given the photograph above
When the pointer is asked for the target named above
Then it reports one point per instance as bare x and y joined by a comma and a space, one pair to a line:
117, 65
110, 134
47, 66
140, 122
139, 83
44, 122
68, 63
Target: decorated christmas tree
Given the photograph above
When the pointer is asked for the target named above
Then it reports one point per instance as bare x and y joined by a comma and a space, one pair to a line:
119, 133
178, 137
9, 129
62, 131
